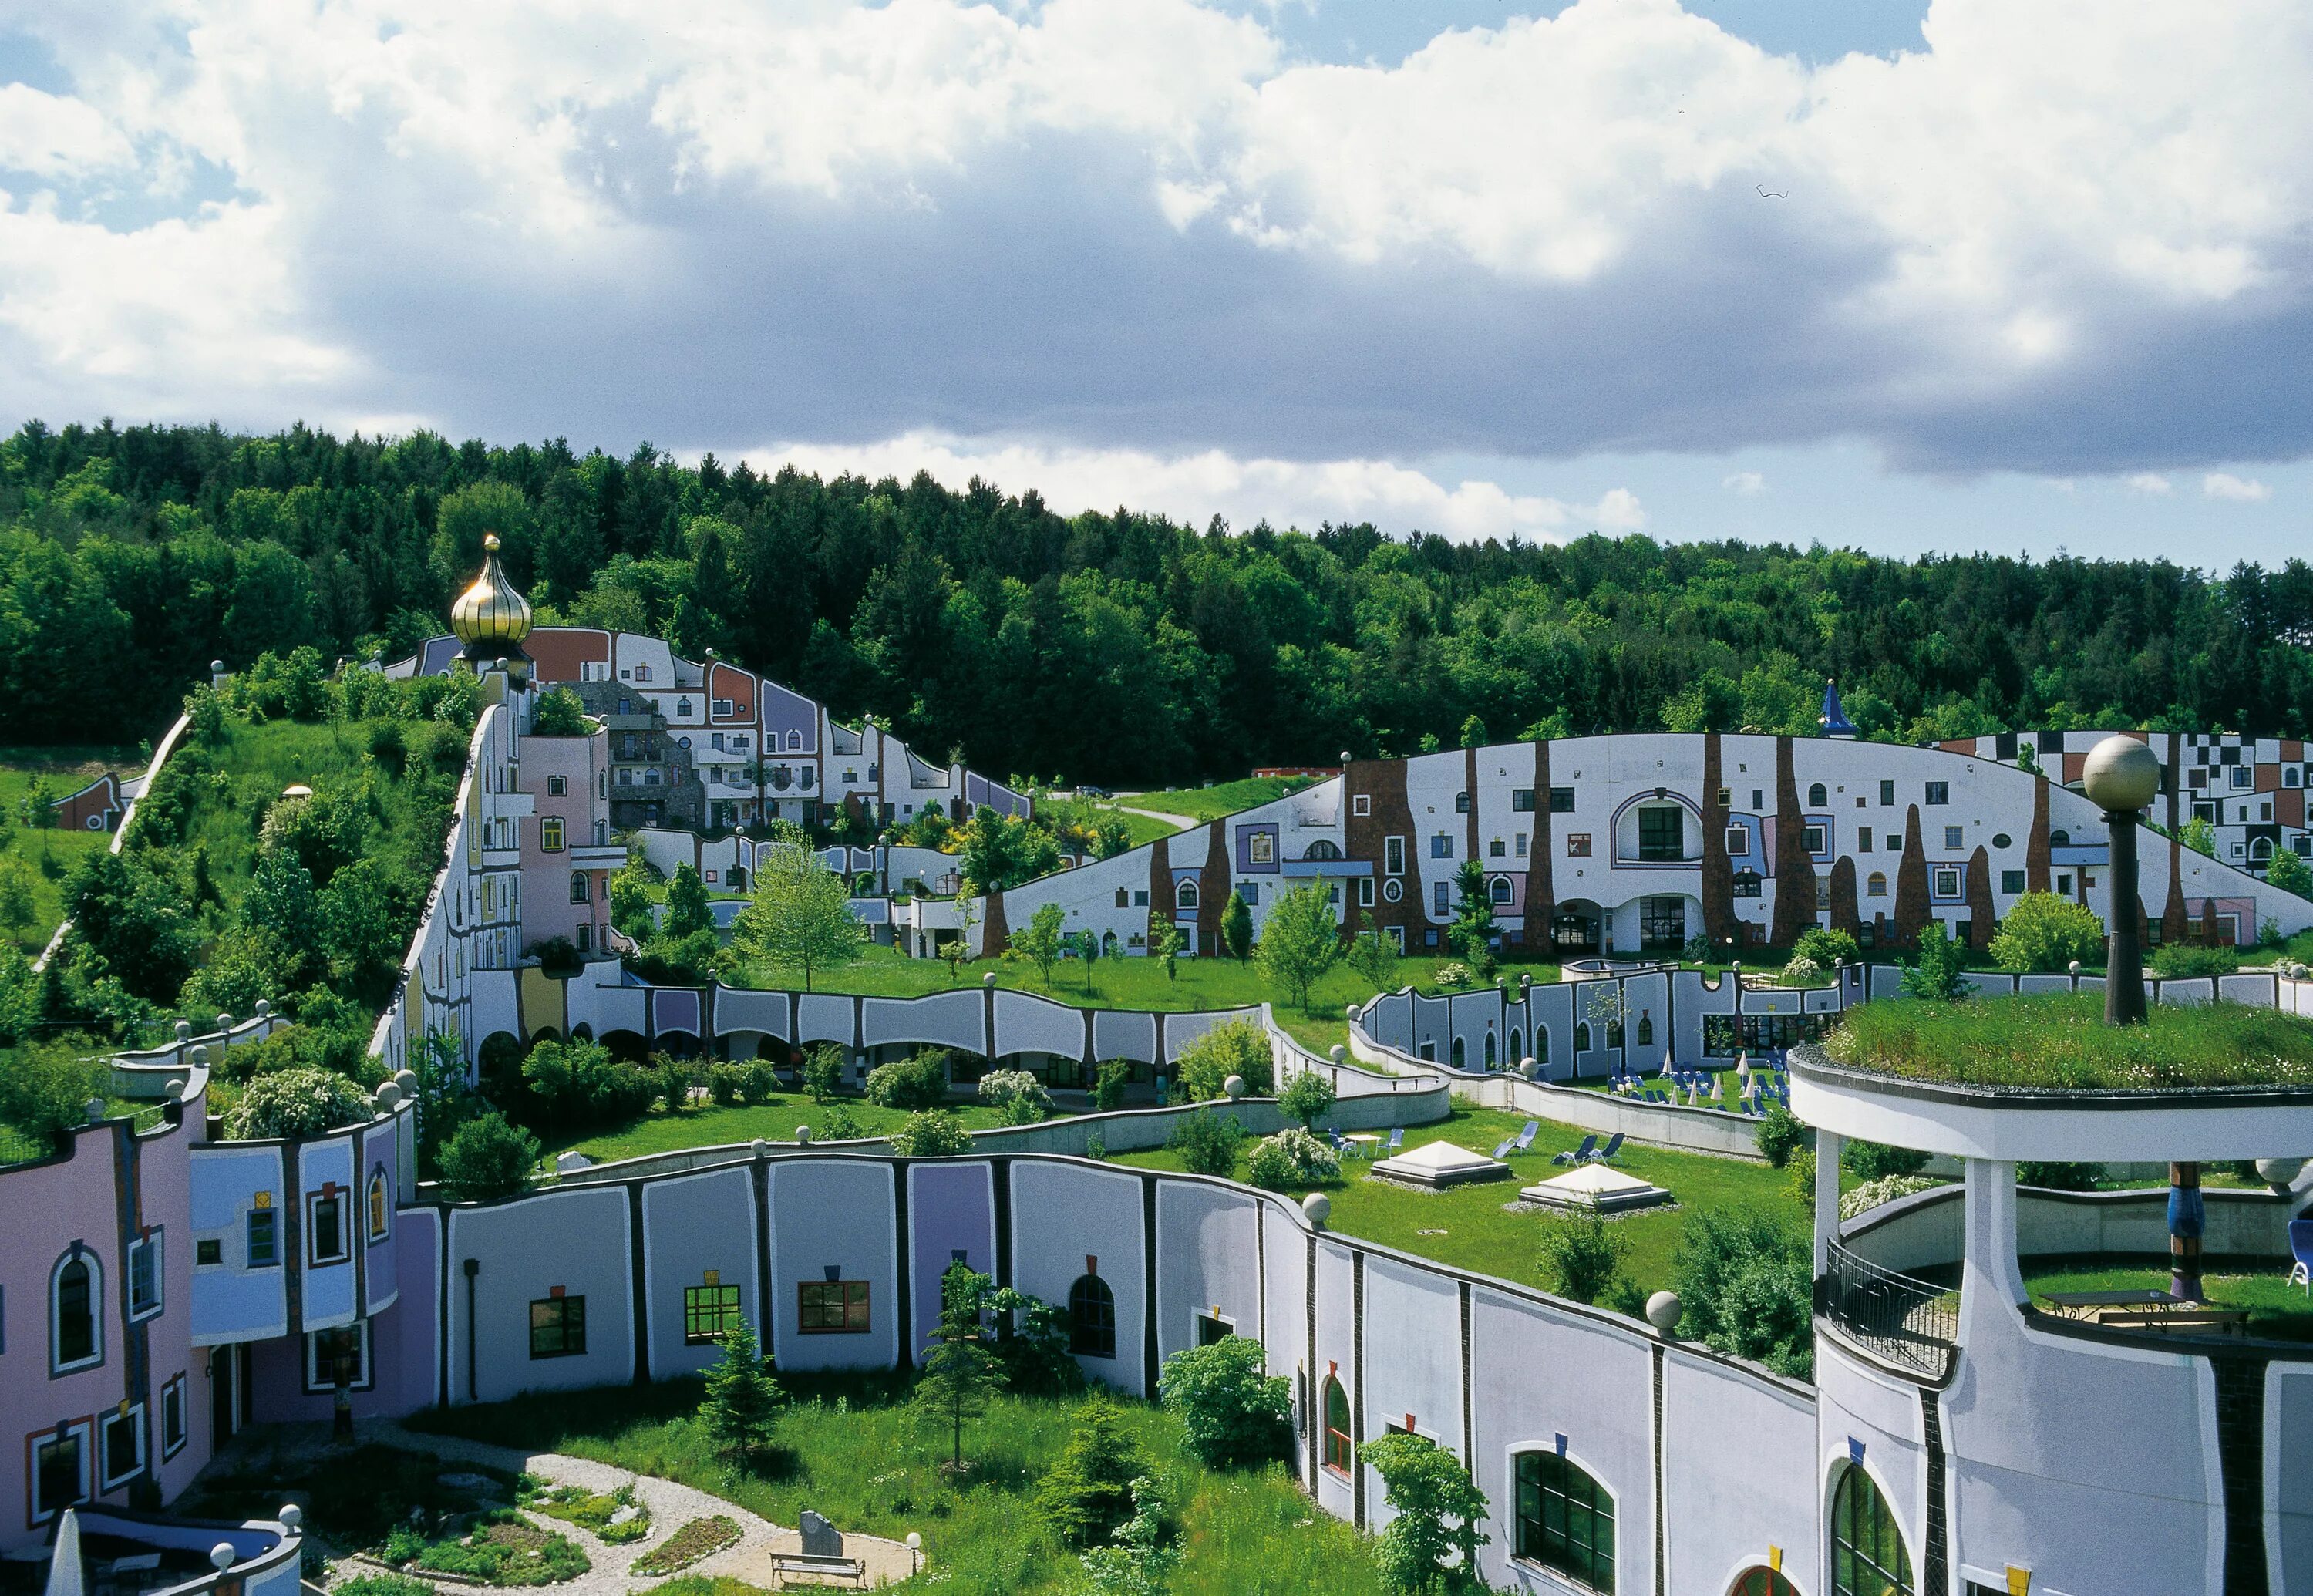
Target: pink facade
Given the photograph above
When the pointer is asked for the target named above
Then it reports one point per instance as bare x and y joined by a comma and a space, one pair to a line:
566, 853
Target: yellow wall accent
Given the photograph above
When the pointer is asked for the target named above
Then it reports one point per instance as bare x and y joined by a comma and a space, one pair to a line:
541, 999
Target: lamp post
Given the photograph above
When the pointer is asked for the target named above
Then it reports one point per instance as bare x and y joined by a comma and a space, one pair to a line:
2123, 775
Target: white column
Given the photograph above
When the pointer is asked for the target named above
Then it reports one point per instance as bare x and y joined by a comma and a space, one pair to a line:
1989, 1279
1827, 1146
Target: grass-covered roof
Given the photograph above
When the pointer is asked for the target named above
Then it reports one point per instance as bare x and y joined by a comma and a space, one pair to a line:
2061, 1042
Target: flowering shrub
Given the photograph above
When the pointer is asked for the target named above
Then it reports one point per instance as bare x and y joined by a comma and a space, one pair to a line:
1872, 1194
1452, 974
1017, 1095
1291, 1158
1802, 971
296, 1102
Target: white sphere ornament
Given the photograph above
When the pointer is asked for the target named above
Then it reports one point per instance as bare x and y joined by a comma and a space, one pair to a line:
1337, 1052
1316, 1208
2121, 775
803, 1135
291, 1516
1234, 1086
2279, 1174
221, 1555
387, 1095
1663, 1310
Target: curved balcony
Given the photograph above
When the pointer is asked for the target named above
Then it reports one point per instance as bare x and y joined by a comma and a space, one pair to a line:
1908, 1324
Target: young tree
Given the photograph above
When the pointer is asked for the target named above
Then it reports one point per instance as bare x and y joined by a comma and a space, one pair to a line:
1236, 927
362, 928
1938, 972
2199, 836
1207, 1142
961, 1374
1309, 1098
801, 915
1041, 940
1372, 955
1140, 1561
957, 949
1088, 1492
1299, 942
2042, 932
1164, 942
18, 905
1581, 1254
1439, 1508
931, 1134
687, 909
487, 1160
1088, 945
741, 1405
1233, 1413
2289, 873
1472, 932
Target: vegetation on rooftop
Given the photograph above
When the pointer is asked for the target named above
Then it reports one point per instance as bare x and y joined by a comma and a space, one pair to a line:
2061, 1042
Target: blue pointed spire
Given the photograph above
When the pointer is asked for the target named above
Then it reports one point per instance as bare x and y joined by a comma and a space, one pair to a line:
1834, 720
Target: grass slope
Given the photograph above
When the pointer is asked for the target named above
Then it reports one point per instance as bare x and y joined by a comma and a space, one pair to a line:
1468, 1228
51, 852
714, 1126
848, 1447
1195, 804
2061, 1042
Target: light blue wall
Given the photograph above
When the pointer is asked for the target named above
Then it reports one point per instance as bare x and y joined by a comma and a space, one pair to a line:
691, 1225
577, 1240
1104, 1222
841, 1212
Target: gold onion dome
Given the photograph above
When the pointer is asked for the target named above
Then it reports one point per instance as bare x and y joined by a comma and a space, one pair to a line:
490, 618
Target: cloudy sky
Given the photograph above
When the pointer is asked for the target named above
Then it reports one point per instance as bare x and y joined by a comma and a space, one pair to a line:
2004, 274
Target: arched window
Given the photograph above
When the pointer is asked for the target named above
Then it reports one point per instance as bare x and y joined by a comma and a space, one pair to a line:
1500, 889
1876, 885
1339, 1449
580, 892
1762, 1582
1458, 1052
683, 707
1185, 895
1565, 1520
2060, 839
1581, 1035
1746, 884
1818, 796
1646, 1030
1866, 1549
795, 739
75, 1338
1613, 1032
381, 1205
1489, 1050
1461, 803
2261, 849
1541, 1046
1517, 1049
1092, 1318
1324, 848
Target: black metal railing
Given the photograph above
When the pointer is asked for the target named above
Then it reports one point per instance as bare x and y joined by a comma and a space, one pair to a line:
1908, 1322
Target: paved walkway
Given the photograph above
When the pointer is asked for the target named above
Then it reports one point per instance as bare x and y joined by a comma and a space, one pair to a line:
672, 1506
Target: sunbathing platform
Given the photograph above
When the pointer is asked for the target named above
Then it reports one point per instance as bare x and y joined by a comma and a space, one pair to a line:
1599, 1188
1437, 1164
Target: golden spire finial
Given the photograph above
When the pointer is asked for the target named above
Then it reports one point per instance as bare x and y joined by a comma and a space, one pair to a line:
490, 618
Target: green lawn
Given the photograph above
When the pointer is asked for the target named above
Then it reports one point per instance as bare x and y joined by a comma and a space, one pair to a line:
2061, 1041
848, 1447
50, 852
713, 1127
1197, 804
1467, 1226
2276, 1308
1145, 828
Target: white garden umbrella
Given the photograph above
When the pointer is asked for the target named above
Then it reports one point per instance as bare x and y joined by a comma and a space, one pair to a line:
65, 1575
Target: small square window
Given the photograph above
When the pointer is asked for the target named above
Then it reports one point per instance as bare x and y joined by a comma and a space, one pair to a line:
557, 1326
209, 1249
1812, 839
831, 1307
1497, 849
1522, 800
1939, 792
2011, 881
1577, 845
710, 1313
557, 787
1561, 800
1955, 836
1362, 804
1441, 846
1948, 881
325, 1228
343, 1350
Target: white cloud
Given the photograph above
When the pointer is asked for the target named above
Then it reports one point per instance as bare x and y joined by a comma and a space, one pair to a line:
1194, 488
1748, 483
2146, 481
2223, 484
48, 135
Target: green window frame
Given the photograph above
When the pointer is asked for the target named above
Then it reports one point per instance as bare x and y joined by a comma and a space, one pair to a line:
1867, 1556
1565, 1521
557, 1326
709, 1313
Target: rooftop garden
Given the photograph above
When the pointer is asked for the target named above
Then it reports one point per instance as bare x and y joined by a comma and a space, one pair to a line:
38, 851
2061, 1042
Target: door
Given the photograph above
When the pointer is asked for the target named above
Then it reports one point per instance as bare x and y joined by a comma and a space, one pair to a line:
221, 1407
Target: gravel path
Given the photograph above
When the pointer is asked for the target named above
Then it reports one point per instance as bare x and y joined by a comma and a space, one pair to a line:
672, 1506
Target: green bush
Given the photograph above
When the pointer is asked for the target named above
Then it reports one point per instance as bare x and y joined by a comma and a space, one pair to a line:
487, 1160
45, 1087
559, 714
298, 1102
1088, 1492
1108, 1086
1580, 1255
1233, 1048
1233, 1413
1207, 1141
505, 1550
726, 1084
1744, 1278
2058, 1176
671, 1086
1309, 1098
579, 1083
918, 1082
1825, 946
2044, 932
1016, 1093
758, 1082
931, 1134
1938, 972
837, 1123
1874, 1160
1292, 1160
2182, 961
1781, 1133
822, 1072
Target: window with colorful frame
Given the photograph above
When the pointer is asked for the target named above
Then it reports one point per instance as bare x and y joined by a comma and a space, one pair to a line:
1565, 1520
62, 1475
557, 1326
325, 1228
831, 1307
327, 1350
710, 1311
75, 1322
1340, 1449
381, 1204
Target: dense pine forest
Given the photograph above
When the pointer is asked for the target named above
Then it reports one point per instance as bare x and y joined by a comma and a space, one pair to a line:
1123, 647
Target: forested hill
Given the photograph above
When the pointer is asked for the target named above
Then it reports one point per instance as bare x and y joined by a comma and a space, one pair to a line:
1117, 648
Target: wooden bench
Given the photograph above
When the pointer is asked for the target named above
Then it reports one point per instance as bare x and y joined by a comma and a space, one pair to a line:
853, 1569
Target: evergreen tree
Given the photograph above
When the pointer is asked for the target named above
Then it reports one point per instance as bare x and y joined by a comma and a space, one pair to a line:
961, 1374
687, 909
1474, 929
739, 1407
1088, 1492
1236, 927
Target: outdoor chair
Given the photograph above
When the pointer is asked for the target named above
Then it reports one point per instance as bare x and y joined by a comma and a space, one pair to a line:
1525, 1136
1606, 1153
1502, 1150
1397, 1139
1346, 1150
1581, 1155
2300, 1247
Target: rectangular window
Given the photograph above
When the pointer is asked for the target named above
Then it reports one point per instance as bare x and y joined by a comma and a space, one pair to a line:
124, 1446
1362, 804
1212, 1327
1522, 800
1577, 845
325, 1228
1261, 849
1811, 838
1758, 801
1738, 840
1939, 792
1521, 845
1392, 856
1662, 833
172, 1417
1141, 898
1662, 923
2242, 777
1948, 881
1497, 849
1955, 836
1365, 892
557, 1326
145, 1277
1441, 846
710, 1313
1863, 840
549, 833
60, 1472
331, 1353
557, 787
831, 1307
1438, 896
1561, 800
264, 1239
2011, 881
1250, 891
2064, 882
209, 1249
1887, 794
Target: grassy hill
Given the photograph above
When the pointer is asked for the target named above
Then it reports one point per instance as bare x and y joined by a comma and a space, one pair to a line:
46, 855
